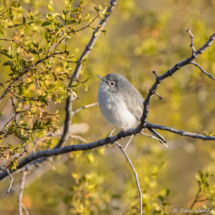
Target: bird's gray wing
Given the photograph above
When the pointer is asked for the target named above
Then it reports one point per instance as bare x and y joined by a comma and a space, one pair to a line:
134, 102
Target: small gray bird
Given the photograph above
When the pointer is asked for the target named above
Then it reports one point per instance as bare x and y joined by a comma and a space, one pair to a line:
120, 103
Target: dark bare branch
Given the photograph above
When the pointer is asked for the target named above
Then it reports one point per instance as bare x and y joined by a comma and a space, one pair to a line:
182, 133
210, 76
153, 137
170, 72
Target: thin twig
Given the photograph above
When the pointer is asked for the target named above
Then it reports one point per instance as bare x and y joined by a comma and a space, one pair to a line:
194, 201
153, 137
195, 64
129, 141
191, 45
11, 178
78, 137
135, 174
87, 25
55, 135
85, 107
22, 184
26, 212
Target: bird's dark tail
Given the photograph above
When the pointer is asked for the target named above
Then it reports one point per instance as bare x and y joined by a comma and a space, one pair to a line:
156, 134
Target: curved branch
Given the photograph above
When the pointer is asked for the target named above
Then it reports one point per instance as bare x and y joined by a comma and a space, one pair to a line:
111, 139
170, 72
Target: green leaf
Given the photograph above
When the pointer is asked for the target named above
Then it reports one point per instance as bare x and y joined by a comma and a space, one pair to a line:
46, 23
23, 124
87, 16
50, 8
23, 20
63, 17
68, 5
4, 53
211, 133
7, 63
10, 146
90, 158
32, 137
85, 87
77, 9
104, 32
1, 31
75, 91
97, 10
85, 81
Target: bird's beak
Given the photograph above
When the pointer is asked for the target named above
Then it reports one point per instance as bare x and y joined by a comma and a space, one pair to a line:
103, 79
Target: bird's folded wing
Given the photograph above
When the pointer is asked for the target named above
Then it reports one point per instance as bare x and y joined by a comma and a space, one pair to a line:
134, 102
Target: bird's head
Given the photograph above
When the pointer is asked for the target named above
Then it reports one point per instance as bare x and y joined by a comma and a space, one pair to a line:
113, 82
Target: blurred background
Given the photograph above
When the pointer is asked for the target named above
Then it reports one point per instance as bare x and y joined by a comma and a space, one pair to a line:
142, 36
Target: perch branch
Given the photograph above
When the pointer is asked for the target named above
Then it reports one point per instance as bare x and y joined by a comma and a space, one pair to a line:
83, 147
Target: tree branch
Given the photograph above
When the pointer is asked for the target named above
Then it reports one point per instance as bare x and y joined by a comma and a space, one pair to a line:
194, 201
170, 72
182, 133
151, 136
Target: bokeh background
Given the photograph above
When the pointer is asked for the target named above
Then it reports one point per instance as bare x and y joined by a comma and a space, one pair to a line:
142, 36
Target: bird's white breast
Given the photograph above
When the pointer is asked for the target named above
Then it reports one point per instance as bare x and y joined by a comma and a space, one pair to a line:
114, 109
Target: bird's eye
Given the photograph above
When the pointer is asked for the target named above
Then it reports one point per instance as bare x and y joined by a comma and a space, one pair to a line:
112, 83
